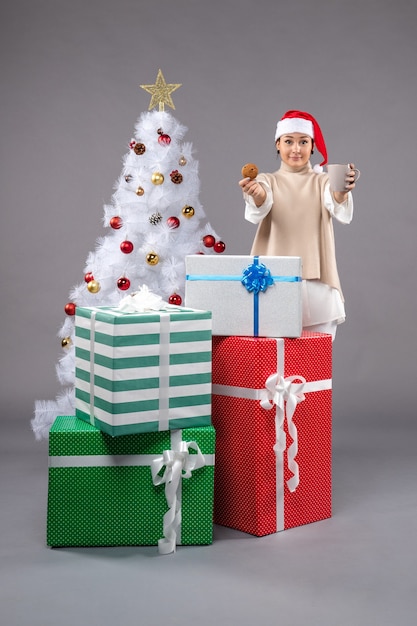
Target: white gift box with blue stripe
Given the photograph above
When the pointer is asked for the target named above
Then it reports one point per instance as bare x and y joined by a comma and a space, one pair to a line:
256, 296
143, 372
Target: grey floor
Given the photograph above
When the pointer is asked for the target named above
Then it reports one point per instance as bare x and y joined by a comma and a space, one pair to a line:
358, 568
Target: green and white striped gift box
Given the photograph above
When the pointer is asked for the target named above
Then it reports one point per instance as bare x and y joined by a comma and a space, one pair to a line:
143, 372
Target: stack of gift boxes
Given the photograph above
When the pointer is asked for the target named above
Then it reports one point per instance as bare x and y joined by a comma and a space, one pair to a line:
215, 412
135, 465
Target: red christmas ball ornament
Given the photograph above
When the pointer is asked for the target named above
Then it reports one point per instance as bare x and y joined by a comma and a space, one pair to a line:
209, 241
126, 247
219, 247
175, 299
70, 308
173, 222
123, 283
116, 222
164, 139
88, 277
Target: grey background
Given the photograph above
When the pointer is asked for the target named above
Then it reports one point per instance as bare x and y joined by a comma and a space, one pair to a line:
70, 97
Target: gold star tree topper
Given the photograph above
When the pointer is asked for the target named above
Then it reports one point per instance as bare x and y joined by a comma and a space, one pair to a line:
161, 92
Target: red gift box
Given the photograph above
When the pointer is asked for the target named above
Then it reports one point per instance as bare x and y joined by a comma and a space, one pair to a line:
272, 412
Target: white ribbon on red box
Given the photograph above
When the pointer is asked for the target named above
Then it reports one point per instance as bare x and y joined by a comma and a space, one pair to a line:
285, 394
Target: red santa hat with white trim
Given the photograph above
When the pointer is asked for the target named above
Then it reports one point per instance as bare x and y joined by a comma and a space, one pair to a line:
302, 122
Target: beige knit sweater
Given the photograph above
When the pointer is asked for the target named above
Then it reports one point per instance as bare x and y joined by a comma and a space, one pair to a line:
299, 224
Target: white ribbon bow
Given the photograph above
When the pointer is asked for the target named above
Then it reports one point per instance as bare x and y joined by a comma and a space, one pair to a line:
178, 464
285, 394
141, 301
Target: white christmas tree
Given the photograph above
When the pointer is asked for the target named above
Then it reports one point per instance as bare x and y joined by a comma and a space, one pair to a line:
154, 220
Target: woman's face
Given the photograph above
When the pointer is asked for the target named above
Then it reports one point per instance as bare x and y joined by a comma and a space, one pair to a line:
295, 149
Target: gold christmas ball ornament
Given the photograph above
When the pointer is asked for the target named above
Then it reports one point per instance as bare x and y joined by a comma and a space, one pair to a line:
66, 342
182, 161
93, 286
152, 258
187, 211
157, 178
140, 191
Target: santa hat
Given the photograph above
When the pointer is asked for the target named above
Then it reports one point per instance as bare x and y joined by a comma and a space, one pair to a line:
301, 122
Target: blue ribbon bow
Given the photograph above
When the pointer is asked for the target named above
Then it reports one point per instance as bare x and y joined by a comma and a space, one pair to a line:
257, 277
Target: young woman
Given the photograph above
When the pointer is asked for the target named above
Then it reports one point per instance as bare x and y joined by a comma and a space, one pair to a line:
293, 208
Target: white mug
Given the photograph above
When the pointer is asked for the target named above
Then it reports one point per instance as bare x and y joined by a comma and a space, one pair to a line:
337, 175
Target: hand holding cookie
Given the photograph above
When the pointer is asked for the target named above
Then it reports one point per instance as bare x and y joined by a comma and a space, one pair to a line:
250, 186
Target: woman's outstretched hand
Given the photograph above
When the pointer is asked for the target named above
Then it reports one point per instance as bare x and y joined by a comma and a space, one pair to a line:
254, 190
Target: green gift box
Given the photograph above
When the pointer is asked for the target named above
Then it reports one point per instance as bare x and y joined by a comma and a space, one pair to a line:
141, 489
142, 372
